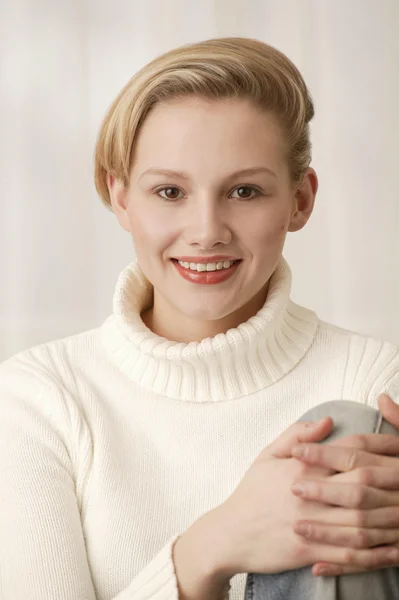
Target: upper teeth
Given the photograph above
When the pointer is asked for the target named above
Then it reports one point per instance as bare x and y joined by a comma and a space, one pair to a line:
207, 266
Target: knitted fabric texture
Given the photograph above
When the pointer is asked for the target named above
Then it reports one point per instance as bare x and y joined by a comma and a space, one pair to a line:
115, 440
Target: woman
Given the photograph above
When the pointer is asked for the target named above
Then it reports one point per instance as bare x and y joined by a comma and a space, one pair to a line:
136, 458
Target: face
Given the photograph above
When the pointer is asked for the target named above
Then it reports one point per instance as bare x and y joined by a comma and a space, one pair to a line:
209, 179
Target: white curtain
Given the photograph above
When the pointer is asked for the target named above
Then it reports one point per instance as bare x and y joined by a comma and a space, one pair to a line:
61, 65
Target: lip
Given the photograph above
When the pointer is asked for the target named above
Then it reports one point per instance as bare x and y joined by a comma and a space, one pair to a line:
206, 277
205, 259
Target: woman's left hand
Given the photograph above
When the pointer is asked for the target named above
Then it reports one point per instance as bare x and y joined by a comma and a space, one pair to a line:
366, 483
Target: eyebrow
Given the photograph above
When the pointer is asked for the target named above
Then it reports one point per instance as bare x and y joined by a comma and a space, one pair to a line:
181, 175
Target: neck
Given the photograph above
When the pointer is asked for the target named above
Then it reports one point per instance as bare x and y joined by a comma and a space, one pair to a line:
242, 360
178, 327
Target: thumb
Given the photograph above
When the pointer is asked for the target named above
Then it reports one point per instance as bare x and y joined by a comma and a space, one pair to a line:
389, 410
307, 431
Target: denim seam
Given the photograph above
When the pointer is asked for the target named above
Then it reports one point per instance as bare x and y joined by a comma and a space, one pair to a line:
250, 587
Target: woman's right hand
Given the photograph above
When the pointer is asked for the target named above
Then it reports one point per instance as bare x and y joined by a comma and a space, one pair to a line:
255, 523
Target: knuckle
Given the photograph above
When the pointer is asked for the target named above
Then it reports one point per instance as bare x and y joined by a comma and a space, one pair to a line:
373, 558
395, 515
298, 428
349, 556
360, 441
390, 516
303, 551
361, 539
301, 469
295, 472
297, 549
358, 496
316, 489
364, 476
360, 519
356, 441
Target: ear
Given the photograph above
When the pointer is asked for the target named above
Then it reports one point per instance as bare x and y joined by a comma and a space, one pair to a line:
118, 194
304, 199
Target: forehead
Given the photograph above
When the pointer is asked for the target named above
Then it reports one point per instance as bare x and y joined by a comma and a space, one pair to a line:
193, 131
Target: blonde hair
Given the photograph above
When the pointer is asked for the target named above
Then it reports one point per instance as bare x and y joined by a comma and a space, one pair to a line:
216, 68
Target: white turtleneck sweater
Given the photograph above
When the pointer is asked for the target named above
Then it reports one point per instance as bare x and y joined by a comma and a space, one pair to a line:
114, 441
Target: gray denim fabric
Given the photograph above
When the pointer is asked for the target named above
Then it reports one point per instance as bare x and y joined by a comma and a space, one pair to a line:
349, 418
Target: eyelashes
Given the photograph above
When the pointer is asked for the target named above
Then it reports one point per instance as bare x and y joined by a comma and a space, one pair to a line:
252, 189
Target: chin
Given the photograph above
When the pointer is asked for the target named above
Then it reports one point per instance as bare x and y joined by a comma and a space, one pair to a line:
202, 313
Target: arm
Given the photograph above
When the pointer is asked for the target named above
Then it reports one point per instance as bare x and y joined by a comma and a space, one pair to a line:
42, 549
42, 546
200, 572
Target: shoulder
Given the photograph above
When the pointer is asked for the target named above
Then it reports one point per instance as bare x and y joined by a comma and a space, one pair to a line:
42, 380
50, 362
42, 409
371, 364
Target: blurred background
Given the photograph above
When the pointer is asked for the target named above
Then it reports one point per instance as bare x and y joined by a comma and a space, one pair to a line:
62, 64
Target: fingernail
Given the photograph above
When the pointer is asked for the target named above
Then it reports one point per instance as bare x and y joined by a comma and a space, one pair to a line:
298, 489
329, 573
313, 423
323, 571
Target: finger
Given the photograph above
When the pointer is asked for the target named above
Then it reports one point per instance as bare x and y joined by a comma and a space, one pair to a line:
352, 537
389, 410
297, 433
334, 570
346, 495
381, 518
340, 459
376, 443
366, 560
384, 478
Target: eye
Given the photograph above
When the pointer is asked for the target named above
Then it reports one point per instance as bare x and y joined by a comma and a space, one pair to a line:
171, 193
245, 191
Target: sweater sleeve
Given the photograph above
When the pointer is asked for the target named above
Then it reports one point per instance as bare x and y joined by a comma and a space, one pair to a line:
380, 377
42, 545
157, 580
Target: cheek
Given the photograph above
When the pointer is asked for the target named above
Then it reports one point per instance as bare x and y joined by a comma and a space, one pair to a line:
149, 233
269, 234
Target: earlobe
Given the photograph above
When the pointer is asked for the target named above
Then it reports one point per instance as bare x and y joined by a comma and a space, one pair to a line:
118, 198
297, 222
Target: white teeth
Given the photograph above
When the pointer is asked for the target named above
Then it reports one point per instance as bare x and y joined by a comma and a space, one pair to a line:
207, 266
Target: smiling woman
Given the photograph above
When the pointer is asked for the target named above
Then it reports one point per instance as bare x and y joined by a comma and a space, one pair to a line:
211, 202
155, 456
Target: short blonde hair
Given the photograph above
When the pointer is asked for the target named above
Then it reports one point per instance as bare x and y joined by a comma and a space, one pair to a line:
216, 68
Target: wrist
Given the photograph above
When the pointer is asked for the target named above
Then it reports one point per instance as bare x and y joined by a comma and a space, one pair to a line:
201, 568
211, 532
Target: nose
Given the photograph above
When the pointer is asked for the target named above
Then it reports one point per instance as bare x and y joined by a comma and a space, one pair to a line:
207, 224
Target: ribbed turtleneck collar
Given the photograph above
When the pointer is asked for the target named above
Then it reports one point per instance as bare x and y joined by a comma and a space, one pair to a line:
230, 365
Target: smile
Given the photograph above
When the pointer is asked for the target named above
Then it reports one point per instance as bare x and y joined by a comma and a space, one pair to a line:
207, 273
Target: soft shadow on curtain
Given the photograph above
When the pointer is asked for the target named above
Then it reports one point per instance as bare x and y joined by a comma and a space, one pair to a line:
61, 64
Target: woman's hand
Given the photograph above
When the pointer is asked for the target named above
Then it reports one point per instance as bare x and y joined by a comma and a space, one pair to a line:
368, 483
254, 526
